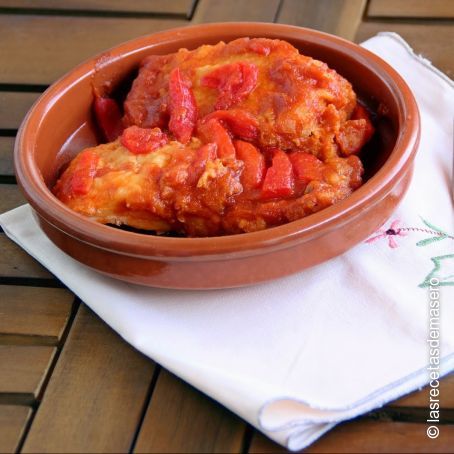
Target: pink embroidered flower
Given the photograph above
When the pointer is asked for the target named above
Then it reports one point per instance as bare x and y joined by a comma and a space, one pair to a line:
390, 233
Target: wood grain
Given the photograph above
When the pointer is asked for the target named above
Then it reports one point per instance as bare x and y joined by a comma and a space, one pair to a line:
420, 399
45, 47
370, 436
31, 315
181, 419
13, 420
235, 10
433, 41
94, 399
15, 262
339, 17
6, 155
411, 8
182, 7
22, 372
10, 197
14, 107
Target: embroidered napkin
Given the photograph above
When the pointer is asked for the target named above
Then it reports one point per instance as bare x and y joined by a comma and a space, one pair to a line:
296, 356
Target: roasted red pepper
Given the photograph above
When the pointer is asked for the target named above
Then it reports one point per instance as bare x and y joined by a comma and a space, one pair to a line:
83, 174
182, 107
108, 117
207, 152
254, 164
359, 113
239, 122
260, 47
204, 154
234, 82
279, 179
356, 132
213, 131
141, 140
306, 167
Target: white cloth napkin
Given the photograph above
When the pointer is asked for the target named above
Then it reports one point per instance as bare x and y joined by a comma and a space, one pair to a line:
296, 356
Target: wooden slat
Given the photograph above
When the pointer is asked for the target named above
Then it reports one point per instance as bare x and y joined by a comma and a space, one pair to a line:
22, 372
433, 41
44, 47
411, 8
10, 197
6, 155
420, 399
33, 315
371, 436
339, 17
15, 262
263, 445
235, 10
14, 107
13, 420
182, 7
95, 397
181, 419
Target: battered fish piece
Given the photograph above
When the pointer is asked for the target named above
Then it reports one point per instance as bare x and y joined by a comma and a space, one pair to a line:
189, 189
294, 101
220, 140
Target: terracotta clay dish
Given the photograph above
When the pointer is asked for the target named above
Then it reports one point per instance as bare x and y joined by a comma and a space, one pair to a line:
268, 150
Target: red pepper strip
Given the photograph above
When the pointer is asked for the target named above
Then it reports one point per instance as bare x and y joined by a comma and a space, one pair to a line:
204, 154
360, 112
83, 173
254, 164
306, 167
234, 82
213, 131
141, 140
239, 122
259, 47
356, 132
108, 117
279, 178
182, 107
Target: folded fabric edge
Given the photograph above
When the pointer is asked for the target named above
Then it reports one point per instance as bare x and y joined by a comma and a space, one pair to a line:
303, 431
378, 398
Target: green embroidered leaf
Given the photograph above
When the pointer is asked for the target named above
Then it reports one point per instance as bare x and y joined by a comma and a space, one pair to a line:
433, 227
443, 270
431, 240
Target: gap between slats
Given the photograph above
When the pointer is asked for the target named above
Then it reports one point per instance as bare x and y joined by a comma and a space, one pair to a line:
437, 9
21, 399
92, 13
69, 324
24, 339
30, 281
146, 403
14, 421
26, 397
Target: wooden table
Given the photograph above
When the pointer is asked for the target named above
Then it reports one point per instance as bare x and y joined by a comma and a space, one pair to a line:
68, 383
